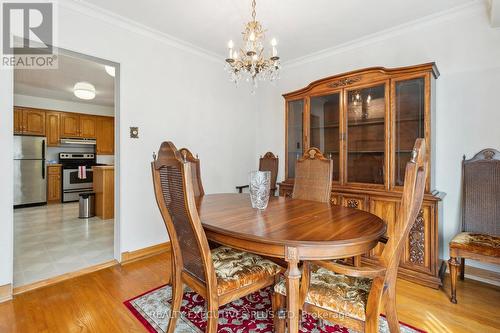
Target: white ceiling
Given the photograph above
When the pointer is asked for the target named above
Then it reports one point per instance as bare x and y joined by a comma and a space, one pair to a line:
59, 83
302, 27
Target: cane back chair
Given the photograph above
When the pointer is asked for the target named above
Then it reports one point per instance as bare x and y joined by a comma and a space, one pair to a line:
195, 171
221, 275
480, 236
268, 162
353, 296
313, 177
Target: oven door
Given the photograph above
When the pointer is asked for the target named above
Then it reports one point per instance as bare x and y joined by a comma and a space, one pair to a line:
72, 182
74, 186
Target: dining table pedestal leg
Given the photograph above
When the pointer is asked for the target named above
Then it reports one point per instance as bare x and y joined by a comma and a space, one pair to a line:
292, 276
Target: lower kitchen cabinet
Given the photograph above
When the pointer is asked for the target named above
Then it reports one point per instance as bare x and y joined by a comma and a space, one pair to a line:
54, 185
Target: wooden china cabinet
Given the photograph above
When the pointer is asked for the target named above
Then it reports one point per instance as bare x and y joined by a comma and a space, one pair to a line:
367, 122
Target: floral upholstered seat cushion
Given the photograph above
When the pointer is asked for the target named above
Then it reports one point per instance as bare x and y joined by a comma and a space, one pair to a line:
342, 294
478, 243
236, 269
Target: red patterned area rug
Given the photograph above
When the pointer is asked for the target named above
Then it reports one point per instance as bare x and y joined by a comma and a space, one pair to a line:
248, 314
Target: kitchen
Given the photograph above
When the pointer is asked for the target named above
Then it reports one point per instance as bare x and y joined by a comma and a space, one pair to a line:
64, 146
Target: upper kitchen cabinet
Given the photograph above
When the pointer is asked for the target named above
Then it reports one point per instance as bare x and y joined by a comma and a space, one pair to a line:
88, 126
74, 125
58, 124
105, 135
18, 120
53, 123
70, 125
29, 121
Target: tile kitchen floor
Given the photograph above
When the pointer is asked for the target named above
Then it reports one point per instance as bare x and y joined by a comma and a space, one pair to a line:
51, 240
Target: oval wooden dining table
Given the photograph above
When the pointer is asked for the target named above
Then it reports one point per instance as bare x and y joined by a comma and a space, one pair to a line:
290, 229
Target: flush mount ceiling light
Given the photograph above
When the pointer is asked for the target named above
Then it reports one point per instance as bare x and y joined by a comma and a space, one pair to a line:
249, 62
84, 90
110, 70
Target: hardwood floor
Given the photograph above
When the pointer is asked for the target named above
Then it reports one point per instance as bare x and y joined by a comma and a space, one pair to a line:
93, 303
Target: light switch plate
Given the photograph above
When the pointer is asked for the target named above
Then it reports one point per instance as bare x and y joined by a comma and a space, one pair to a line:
134, 132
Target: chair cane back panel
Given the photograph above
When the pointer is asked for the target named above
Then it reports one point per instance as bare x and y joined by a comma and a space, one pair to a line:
481, 193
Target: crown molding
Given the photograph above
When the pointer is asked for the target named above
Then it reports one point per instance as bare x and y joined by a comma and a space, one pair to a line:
120, 21
473, 6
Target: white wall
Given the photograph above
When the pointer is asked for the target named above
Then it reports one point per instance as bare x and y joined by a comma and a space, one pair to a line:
6, 172
171, 94
467, 52
60, 105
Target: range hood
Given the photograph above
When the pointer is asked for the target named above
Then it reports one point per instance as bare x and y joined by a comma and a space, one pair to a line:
77, 141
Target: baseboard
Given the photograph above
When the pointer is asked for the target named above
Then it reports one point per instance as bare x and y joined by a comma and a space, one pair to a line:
5, 293
59, 278
131, 256
480, 274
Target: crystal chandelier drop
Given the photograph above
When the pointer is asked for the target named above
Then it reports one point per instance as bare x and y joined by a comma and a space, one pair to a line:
250, 62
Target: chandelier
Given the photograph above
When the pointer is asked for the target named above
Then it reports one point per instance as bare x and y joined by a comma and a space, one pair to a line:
250, 62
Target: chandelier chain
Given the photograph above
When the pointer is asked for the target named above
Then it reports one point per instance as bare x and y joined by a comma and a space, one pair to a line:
254, 13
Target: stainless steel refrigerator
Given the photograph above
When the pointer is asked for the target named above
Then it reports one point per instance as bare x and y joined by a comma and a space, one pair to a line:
30, 181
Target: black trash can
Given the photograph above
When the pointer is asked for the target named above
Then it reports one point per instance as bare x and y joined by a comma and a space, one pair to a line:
87, 205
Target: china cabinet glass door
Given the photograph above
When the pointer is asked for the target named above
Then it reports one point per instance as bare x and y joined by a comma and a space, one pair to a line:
295, 119
324, 128
366, 126
409, 122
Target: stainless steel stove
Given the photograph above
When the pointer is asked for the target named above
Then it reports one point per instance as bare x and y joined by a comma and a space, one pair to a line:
72, 184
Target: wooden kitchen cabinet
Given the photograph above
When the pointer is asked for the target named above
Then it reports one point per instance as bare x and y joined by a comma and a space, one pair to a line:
70, 125
54, 183
29, 121
33, 122
366, 122
105, 136
53, 123
58, 124
74, 125
88, 126
104, 189
18, 120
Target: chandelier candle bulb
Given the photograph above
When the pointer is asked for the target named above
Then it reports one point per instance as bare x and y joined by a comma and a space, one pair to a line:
275, 50
230, 46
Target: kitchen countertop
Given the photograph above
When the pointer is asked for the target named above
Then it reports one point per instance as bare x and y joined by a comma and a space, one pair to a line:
104, 167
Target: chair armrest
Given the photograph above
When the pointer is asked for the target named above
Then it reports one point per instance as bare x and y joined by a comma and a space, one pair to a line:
240, 188
363, 271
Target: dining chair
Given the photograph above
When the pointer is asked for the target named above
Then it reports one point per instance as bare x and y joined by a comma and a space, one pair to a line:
221, 275
353, 296
479, 238
195, 171
268, 162
313, 177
